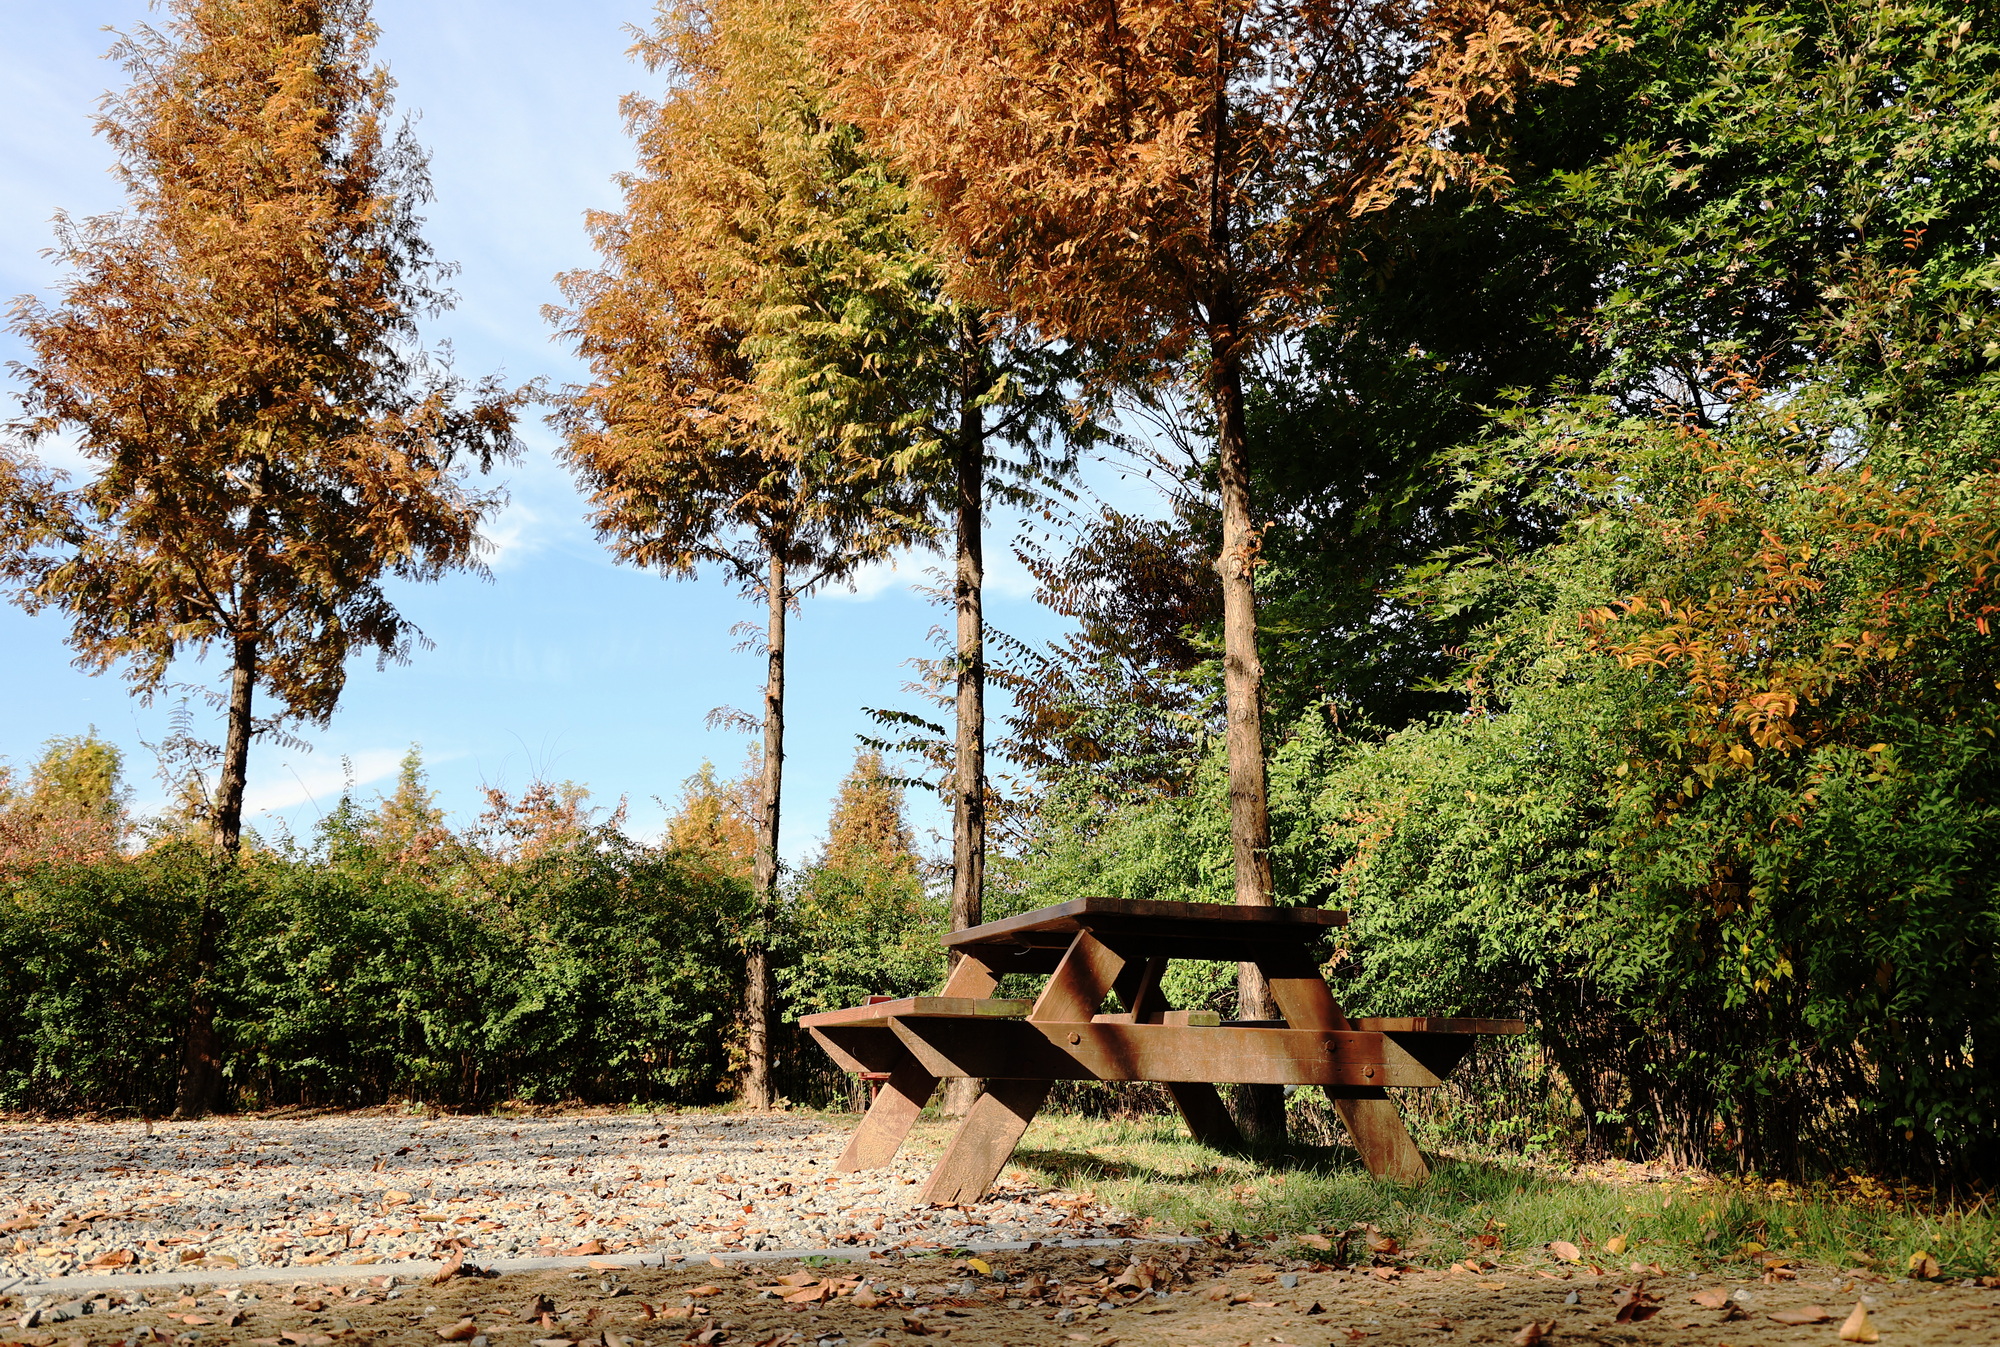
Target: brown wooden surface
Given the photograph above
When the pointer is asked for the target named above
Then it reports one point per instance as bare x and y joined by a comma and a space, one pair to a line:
1097, 1050
979, 1149
881, 1012
909, 1087
1373, 1124
1431, 1024
889, 1119
1052, 926
1206, 1116
1090, 947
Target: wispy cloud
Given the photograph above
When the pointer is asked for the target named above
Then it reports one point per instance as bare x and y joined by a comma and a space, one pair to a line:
873, 580
317, 781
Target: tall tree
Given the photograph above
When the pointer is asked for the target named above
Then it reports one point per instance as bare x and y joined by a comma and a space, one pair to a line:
1174, 179
237, 355
687, 463
857, 341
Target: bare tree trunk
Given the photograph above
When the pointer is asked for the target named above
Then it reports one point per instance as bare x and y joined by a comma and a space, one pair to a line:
199, 1089
1260, 1108
968, 815
758, 1002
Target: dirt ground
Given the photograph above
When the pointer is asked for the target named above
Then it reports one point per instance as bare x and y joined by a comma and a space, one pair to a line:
1177, 1296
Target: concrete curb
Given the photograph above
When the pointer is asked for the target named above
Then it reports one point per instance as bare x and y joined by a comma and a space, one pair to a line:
414, 1271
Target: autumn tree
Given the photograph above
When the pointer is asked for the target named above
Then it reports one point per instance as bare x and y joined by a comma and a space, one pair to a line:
687, 464
72, 806
236, 353
714, 822
1173, 179
408, 824
856, 341
867, 829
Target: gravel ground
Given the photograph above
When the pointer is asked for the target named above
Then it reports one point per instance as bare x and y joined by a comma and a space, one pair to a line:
379, 1187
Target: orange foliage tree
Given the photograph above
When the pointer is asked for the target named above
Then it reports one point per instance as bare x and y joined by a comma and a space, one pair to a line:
688, 461
1172, 179
236, 353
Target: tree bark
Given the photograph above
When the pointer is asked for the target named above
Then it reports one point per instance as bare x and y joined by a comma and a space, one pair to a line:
968, 814
199, 1089
759, 1004
1260, 1109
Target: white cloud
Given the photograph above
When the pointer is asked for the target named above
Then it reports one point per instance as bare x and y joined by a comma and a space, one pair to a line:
317, 781
871, 581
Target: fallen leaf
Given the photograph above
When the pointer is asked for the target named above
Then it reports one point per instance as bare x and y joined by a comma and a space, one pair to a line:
980, 1265
1491, 1286
1615, 1245
605, 1265
1564, 1250
1923, 1266
1804, 1314
1714, 1298
715, 1260
678, 1312
462, 1331
1316, 1242
1532, 1333
580, 1250
705, 1291
112, 1258
1381, 1243
196, 1319
1858, 1328
1441, 1325
394, 1198
1634, 1304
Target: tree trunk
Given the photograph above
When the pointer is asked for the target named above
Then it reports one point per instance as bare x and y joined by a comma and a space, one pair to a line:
199, 1089
1260, 1109
758, 1001
968, 814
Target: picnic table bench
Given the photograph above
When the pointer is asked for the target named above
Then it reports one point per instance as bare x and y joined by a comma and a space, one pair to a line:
1094, 948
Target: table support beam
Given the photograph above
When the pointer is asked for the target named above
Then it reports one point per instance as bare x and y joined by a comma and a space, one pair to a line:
1374, 1125
909, 1087
979, 1149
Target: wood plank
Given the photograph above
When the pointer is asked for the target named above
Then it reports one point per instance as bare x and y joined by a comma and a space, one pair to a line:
881, 1012
1081, 982
1207, 1119
1138, 989
909, 1087
1096, 1050
1089, 912
861, 1047
889, 1119
1431, 1024
1374, 1125
983, 1142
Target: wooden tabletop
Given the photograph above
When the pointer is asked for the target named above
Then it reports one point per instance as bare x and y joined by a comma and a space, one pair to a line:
1182, 929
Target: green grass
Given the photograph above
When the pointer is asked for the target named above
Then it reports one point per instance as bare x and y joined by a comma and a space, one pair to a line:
1149, 1168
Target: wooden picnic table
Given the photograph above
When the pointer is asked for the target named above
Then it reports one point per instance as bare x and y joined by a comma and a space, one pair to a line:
1094, 948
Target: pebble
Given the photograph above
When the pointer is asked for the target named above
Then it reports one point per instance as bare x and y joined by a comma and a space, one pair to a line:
381, 1187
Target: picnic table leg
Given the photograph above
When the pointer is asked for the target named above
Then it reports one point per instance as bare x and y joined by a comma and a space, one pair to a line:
996, 1120
1372, 1121
1200, 1104
979, 1149
1206, 1116
909, 1087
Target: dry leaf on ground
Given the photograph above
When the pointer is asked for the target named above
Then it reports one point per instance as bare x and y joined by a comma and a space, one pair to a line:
1714, 1298
1532, 1333
1804, 1314
1858, 1328
1564, 1250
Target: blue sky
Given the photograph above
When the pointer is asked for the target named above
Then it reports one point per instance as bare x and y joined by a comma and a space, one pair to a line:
565, 666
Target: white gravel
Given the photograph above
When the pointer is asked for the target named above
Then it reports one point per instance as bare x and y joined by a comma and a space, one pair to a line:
380, 1187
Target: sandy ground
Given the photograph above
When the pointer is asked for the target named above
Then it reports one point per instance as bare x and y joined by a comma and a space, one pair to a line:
335, 1204
1169, 1295
381, 1187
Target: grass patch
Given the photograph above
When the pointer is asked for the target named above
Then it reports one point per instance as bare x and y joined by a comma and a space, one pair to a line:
1149, 1168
